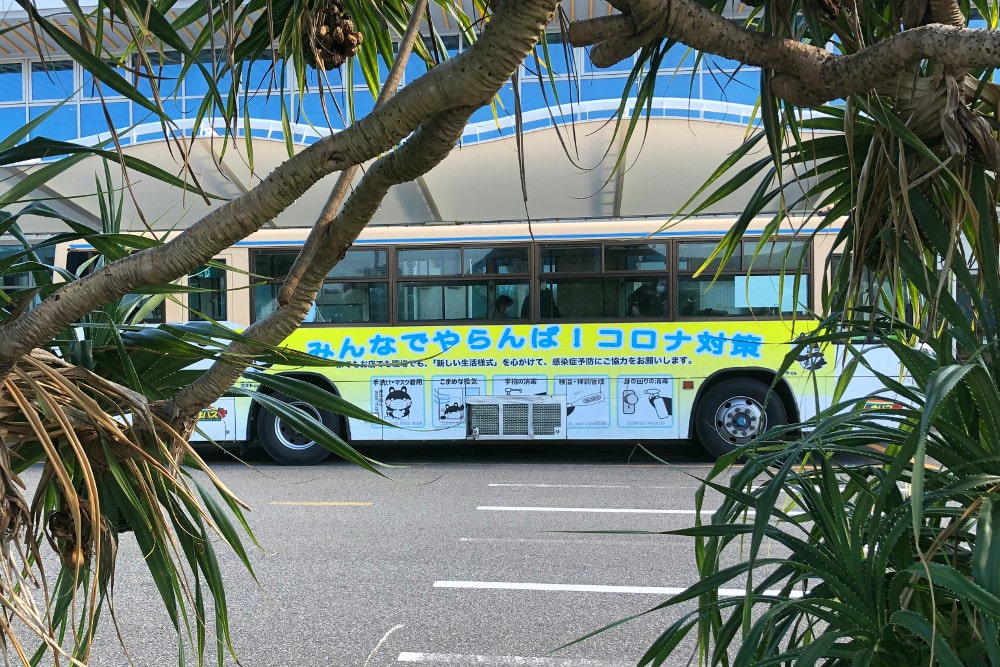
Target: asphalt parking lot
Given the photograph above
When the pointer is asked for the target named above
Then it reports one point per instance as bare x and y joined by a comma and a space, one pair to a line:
458, 556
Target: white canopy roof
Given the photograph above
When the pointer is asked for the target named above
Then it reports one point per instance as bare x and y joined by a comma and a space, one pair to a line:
663, 167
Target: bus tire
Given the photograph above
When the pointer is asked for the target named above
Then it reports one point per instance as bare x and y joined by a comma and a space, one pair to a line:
733, 412
286, 445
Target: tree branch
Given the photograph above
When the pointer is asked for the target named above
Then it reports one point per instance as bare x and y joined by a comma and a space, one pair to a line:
430, 144
469, 79
346, 177
304, 278
805, 75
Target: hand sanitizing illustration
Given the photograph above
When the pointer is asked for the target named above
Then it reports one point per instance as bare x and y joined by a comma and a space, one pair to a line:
662, 404
629, 399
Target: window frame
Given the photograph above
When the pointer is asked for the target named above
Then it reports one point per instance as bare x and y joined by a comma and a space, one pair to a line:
745, 252
466, 280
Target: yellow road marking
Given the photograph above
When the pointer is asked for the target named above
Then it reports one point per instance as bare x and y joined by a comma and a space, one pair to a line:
317, 503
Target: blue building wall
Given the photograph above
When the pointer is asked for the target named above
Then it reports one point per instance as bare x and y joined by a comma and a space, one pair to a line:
712, 89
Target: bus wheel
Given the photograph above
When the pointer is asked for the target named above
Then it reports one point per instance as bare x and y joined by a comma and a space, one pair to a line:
285, 444
732, 413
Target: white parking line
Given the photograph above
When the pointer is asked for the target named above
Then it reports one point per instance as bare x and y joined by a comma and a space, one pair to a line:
501, 660
589, 540
598, 510
587, 588
612, 510
592, 486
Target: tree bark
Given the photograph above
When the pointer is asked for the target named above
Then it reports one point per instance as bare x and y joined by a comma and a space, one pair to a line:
468, 80
430, 144
805, 75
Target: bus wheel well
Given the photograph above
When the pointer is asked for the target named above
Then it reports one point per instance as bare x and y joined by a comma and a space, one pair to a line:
782, 390
314, 379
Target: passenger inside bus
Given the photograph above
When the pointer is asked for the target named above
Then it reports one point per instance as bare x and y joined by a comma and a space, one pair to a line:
648, 299
547, 306
501, 307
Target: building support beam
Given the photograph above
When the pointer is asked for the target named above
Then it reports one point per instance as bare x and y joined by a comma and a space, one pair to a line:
58, 201
432, 206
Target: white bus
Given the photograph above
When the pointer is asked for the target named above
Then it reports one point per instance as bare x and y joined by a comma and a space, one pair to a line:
555, 330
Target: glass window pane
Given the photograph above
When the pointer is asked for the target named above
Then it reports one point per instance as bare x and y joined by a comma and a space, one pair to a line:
691, 256
14, 116
509, 259
451, 43
265, 299
774, 256
636, 257
81, 262
507, 300
211, 302
353, 302
140, 302
430, 262
11, 82
94, 121
647, 298
581, 298
571, 259
60, 125
555, 57
701, 297
424, 301
93, 89
156, 315
52, 80
196, 81
742, 296
163, 71
361, 264
262, 74
13, 280
273, 265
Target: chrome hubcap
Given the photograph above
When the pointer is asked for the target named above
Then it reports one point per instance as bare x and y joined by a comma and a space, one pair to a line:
740, 419
290, 437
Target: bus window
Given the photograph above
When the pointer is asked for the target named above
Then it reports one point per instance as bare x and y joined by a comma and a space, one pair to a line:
647, 298
356, 289
773, 256
271, 266
353, 302
210, 302
16, 287
742, 296
430, 262
692, 255
81, 262
507, 298
459, 283
571, 259
11, 282
428, 301
361, 292
636, 257
502, 260
745, 286
361, 264
612, 298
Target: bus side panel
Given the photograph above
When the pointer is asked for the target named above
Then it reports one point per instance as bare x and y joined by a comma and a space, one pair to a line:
221, 422
621, 380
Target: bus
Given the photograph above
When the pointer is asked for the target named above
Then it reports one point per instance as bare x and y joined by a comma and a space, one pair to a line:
543, 330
